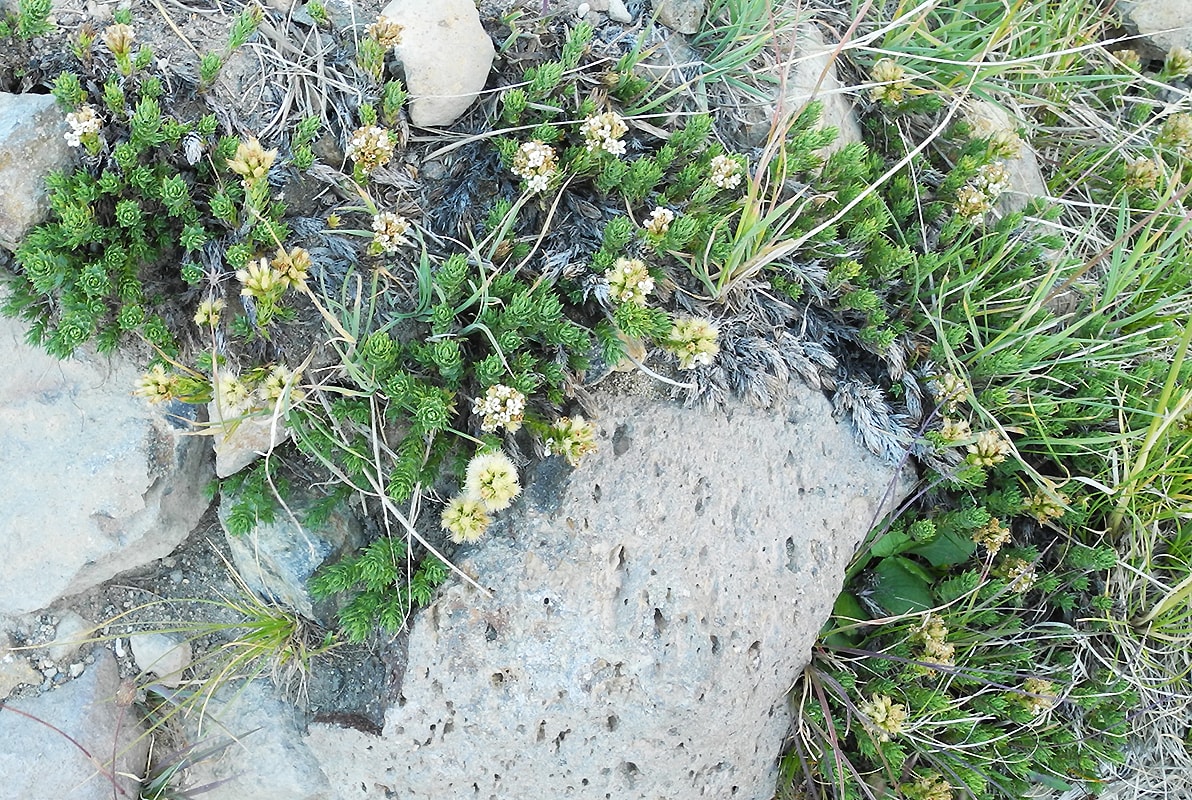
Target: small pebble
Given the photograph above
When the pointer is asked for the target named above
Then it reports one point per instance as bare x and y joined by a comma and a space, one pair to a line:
176, 576
76, 670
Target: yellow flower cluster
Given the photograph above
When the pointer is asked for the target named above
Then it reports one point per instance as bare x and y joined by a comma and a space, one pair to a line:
157, 385
993, 536
990, 449
1044, 506
883, 716
260, 280
1039, 695
933, 635
252, 162
891, 80
1019, 573
1142, 173
629, 281
207, 315
949, 390
386, 31
84, 125
931, 786
490, 484
693, 341
571, 437
1177, 131
659, 222
977, 196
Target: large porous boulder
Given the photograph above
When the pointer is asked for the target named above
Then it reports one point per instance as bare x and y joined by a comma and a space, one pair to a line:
645, 616
809, 65
38, 761
95, 481
446, 55
31, 147
276, 559
1162, 24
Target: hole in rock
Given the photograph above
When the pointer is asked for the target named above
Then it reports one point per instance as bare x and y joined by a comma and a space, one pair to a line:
498, 678
659, 622
596, 493
715, 644
612, 722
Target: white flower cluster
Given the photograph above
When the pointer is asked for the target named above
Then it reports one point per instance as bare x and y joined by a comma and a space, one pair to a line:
370, 147
501, 406
660, 221
389, 231
693, 341
84, 122
978, 195
629, 281
535, 163
725, 172
604, 132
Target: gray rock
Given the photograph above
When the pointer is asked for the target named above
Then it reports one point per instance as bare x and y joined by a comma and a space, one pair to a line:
617, 12
277, 559
267, 759
241, 440
72, 633
15, 669
810, 75
95, 481
1163, 24
31, 147
683, 16
446, 55
1026, 179
649, 614
163, 654
38, 762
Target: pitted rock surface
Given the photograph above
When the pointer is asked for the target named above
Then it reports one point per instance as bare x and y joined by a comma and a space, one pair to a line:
95, 481
649, 613
31, 147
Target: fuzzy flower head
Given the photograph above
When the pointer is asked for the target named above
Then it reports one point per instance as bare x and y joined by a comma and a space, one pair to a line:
119, 39
933, 635
276, 383
501, 406
1130, 58
293, 266
950, 391
1039, 695
991, 448
1177, 131
891, 80
604, 132
1044, 506
233, 394
1142, 174
207, 315
534, 162
1019, 573
993, 536
386, 31
883, 716
693, 341
571, 437
465, 519
389, 231
251, 162
1178, 63
971, 203
724, 172
993, 180
370, 147
491, 479
85, 125
629, 281
955, 430
260, 280
659, 222
931, 786
157, 385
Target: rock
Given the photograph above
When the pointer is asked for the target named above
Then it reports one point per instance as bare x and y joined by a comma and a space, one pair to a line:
95, 481
72, 633
267, 759
446, 55
163, 654
618, 13
39, 762
241, 440
683, 16
810, 75
649, 615
1026, 179
15, 669
1163, 24
31, 147
277, 559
